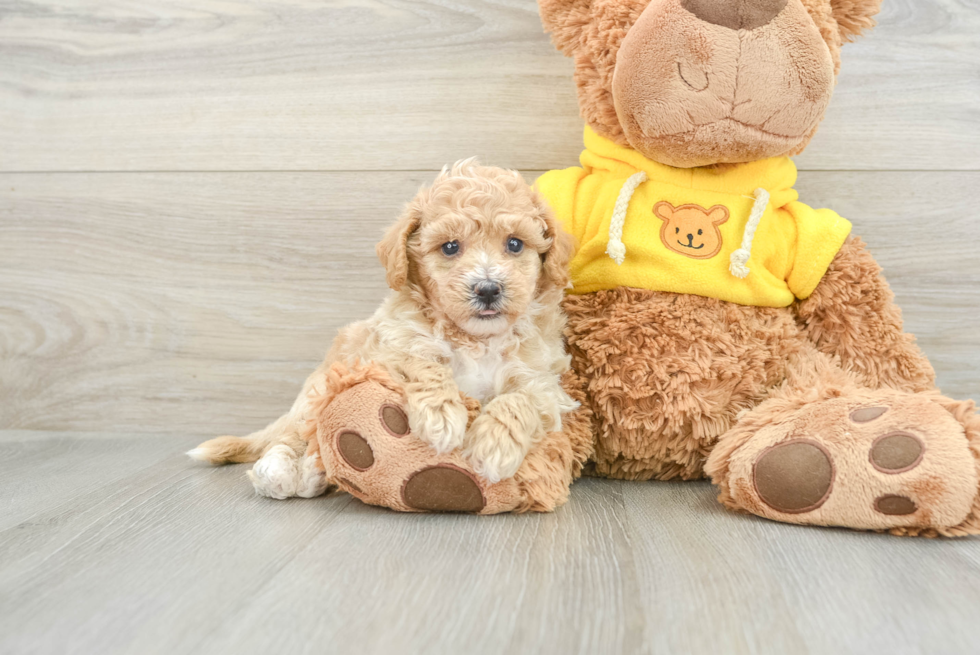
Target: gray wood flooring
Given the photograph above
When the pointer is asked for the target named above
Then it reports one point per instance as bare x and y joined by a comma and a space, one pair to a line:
189, 199
117, 545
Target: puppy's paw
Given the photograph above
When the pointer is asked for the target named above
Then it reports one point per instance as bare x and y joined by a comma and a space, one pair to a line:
278, 474
439, 421
312, 479
492, 450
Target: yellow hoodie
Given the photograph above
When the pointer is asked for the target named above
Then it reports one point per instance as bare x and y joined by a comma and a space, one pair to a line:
738, 235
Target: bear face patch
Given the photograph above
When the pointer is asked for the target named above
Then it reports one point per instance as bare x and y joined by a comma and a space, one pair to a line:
691, 230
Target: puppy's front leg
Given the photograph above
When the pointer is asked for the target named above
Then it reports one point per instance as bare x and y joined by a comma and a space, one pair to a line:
436, 412
502, 435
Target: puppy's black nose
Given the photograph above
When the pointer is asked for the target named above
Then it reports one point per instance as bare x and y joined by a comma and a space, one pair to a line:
487, 291
690, 237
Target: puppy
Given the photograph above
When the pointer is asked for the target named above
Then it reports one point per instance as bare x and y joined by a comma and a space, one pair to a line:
478, 267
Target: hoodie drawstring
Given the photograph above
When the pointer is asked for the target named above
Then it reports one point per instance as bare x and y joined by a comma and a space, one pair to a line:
740, 257
616, 248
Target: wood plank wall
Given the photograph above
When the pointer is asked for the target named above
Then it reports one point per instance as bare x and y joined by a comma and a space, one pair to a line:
190, 192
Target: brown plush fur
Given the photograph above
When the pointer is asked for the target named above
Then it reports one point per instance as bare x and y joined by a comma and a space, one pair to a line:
852, 315
668, 374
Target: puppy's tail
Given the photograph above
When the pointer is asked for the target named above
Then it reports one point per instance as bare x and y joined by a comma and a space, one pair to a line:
229, 450
238, 450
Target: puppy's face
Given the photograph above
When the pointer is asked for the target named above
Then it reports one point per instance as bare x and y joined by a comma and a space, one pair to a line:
480, 245
480, 271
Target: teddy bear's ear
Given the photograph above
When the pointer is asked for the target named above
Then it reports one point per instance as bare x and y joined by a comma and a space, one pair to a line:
854, 16
565, 20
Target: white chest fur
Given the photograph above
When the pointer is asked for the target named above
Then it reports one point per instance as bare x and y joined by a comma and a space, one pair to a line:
480, 375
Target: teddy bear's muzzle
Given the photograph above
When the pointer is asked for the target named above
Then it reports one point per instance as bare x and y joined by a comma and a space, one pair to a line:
699, 83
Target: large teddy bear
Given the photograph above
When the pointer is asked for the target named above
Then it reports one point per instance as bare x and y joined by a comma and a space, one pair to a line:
722, 327
718, 326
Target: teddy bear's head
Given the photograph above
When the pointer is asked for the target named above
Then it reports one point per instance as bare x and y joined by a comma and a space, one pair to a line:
700, 82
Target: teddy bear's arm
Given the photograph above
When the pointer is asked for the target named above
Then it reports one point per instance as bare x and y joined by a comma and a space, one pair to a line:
852, 314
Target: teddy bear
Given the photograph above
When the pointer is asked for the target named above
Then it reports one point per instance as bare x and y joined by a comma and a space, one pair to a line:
722, 328
718, 327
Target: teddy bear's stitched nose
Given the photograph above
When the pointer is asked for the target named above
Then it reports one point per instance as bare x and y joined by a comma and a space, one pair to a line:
735, 14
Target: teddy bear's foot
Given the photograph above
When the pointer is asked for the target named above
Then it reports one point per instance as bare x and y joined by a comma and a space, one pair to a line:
879, 460
368, 450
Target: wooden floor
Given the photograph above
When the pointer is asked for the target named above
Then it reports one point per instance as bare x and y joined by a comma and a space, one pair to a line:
190, 194
116, 545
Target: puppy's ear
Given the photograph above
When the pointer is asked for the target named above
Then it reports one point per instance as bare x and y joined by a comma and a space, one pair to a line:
393, 248
854, 16
554, 261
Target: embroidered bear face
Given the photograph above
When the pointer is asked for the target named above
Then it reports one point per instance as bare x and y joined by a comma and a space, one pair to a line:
691, 230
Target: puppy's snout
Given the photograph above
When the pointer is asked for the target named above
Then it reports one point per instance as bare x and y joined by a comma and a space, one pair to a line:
488, 291
735, 14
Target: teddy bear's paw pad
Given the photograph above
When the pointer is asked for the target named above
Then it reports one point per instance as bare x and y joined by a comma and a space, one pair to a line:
896, 452
355, 450
394, 420
794, 476
880, 460
867, 414
895, 505
443, 488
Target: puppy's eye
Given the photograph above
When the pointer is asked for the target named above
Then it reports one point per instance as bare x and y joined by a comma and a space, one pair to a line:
450, 248
677, 230
700, 232
515, 245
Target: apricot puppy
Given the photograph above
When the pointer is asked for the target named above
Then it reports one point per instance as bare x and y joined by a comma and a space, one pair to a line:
478, 268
